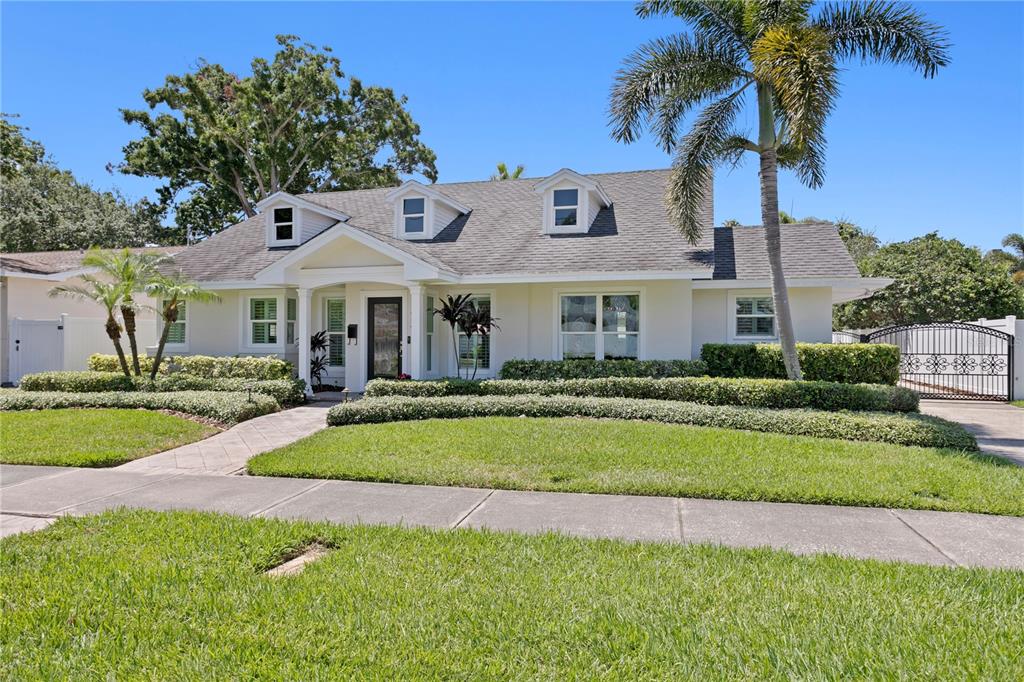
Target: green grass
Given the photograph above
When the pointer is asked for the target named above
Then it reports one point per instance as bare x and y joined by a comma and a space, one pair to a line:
166, 596
646, 458
92, 438
1018, 403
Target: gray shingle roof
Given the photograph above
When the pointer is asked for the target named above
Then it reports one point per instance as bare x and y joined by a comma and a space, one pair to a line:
503, 235
808, 250
51, 262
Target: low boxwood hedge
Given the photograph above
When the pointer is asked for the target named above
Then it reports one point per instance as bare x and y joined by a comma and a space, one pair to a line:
284, 391
775, 393
852, 363
594, 369
899, 429
211, 367
221, 406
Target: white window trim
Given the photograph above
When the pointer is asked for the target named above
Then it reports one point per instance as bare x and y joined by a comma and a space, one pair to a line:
179, 347
731, 316
425, 232
335, 370
272, 239
448, 354
429, 366
582, 210
293, 322
641, 341
245, 343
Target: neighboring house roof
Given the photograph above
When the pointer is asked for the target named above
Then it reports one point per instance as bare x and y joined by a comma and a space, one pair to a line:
808, 250
54, 262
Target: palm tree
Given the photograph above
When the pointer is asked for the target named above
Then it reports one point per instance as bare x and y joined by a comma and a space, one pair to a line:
107, 294
173, 290
1013, 259
787, 58
133, 271
453, 310
503, 173
476, 320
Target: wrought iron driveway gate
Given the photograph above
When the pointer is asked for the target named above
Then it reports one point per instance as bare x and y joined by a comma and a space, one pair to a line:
952, 360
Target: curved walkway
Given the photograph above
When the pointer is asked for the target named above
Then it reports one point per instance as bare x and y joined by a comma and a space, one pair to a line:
28, 494
228, 451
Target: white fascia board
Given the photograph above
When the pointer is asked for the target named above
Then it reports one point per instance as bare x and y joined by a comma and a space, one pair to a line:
61, 276
335, 232
569, 175
414, 186
872, 283
299, 202
634, 275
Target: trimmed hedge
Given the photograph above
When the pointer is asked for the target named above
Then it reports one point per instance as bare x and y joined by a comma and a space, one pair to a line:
211, 367
284, 391
225, 407
849, 363
595, 369
774, 393
899, 429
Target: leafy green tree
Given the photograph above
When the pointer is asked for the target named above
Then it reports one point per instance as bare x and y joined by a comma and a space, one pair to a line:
936, 279
109, 296
859, 242
504, 173
43, 208
173, 290
227, 142
1012, 260
788, 59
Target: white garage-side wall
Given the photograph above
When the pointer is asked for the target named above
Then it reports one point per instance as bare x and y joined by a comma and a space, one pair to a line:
713, 317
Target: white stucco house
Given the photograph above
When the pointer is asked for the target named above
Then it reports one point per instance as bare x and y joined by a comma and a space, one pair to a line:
572, 265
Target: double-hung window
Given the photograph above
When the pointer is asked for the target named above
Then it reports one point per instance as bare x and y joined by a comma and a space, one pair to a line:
476, 353
290, 321
755, 317
263, 321
566, 204
284, 224
600, 326
334, 315
177, 330
429, 363
413, 213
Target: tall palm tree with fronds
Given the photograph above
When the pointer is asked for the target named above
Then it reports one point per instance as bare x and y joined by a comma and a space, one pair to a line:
782, 54
505, 174
133, 271
1012, 259
107, 294
173, 291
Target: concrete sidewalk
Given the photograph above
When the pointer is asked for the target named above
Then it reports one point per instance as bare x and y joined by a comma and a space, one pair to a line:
998, 427
30, 496
228, 451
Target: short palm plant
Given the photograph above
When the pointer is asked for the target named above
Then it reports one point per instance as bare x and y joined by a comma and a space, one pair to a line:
173, 291
476, 320
452, 310
132, 271
109, 295
785, 54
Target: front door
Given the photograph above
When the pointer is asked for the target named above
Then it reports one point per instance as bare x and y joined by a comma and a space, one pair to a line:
385, 342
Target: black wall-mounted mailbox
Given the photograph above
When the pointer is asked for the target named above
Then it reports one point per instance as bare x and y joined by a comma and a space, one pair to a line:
353, 332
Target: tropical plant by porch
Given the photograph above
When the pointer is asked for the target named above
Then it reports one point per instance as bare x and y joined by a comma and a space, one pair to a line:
787, 56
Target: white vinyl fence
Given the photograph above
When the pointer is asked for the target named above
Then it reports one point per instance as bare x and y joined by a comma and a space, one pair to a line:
1011, 325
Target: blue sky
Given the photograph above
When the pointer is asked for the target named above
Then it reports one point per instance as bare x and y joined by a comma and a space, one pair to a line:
528, 83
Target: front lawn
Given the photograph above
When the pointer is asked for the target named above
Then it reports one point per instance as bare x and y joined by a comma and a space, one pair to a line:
1018, 403
648, 458
92, 438
164, 596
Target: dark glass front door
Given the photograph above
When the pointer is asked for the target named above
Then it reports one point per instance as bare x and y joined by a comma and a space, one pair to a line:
385, 342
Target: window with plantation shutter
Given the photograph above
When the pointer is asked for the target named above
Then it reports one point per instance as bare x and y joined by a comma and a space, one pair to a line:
335, 318
176, 330
478, 350
293, 304
430, 334
263, 321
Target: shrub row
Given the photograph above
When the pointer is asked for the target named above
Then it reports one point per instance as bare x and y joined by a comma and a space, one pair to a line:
595, 369
775, 393
853, 363
211, 367
225, 407
284, 391
900, 429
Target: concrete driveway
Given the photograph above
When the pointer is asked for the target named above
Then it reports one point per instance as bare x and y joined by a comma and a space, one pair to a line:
999, 427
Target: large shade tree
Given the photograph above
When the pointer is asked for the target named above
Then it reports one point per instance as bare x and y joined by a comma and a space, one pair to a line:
224, 142
782, 56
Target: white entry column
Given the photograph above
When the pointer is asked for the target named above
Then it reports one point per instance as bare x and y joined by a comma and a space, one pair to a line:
417, 305
305, 325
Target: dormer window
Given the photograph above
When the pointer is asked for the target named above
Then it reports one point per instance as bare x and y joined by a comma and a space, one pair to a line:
284, 224
567, 202
413, 215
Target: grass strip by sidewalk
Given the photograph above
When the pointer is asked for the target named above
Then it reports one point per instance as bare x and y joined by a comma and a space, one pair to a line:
132, 595
649, 458
92, 438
